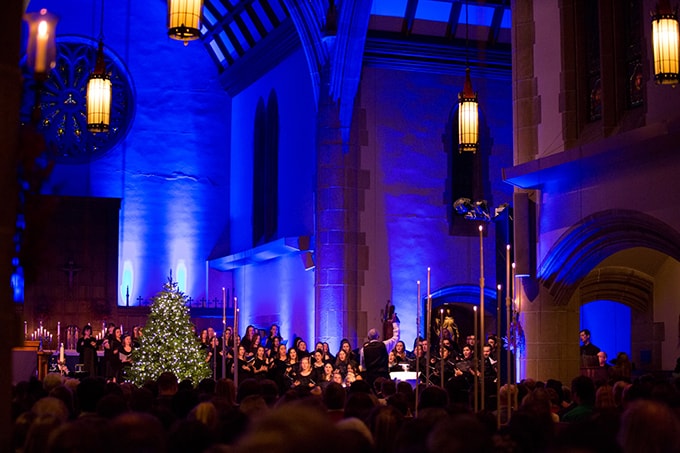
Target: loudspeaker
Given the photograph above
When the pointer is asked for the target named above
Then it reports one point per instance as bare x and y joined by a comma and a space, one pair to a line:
524, 223
308, 260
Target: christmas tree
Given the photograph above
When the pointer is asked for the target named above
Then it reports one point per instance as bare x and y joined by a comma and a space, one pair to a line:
168, 342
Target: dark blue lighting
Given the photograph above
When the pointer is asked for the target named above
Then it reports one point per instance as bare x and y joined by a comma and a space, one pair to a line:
609, 325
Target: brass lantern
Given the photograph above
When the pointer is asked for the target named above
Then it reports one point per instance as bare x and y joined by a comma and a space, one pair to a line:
665, 44
41, 51
468, 117
184, 19
99, 95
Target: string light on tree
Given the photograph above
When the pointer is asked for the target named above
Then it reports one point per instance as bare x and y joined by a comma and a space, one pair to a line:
169, 343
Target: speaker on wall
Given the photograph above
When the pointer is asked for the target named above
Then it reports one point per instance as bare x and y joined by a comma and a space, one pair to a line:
525, 235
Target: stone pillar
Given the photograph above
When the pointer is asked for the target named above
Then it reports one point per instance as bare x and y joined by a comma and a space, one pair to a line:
341, 252
551, 338
10, 92
526, 103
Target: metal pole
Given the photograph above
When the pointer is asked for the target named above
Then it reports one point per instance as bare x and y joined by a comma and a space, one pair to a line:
441, 347
428, 326
236, 343
498, 357
416, 346
224, 331
474, 359
508, 309
481, 313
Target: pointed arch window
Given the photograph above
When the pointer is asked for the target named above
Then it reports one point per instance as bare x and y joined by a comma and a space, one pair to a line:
266, 171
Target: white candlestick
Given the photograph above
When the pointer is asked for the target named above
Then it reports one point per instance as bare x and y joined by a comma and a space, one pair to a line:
58, 330
224, 309
482, 328
61, 353
428, 327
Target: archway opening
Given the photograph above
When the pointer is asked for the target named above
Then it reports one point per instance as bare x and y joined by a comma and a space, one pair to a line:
609, 323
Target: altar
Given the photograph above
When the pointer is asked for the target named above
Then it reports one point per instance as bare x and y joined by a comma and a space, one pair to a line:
28, 361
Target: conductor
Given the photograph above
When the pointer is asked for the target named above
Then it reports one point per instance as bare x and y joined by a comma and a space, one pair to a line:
374, 353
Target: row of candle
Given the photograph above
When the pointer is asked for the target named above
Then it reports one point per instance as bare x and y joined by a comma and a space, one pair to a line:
41, 333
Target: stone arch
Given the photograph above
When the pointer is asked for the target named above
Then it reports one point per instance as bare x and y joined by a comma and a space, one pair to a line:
622, 284
596, 237
467, 294
462, 298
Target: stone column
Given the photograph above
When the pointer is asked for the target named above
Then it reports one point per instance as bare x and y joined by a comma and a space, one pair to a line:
340, 250
551, 338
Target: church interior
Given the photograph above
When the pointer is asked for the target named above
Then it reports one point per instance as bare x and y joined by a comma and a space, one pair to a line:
298, 162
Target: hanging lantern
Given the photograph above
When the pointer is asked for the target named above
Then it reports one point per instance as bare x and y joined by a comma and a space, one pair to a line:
184, 17
99, 95
665, 44
41, 51
468, 117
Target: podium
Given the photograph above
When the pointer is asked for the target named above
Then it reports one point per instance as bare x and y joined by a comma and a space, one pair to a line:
43, 363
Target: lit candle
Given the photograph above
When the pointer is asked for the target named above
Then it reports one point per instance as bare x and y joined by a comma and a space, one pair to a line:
25, 329
418, 307
224, 309
58, 330
41, 47
428, 282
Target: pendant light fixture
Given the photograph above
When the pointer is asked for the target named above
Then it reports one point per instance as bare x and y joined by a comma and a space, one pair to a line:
99, 90
41, 50
184, 19
468, 106
665, 44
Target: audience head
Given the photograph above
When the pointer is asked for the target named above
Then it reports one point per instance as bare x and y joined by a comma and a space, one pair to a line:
225, 389
89, 392
136, 432
50, 406
433, 397
604, 398
51, 381
291, 428
385, 423
649, 426
583, 390
460, 433
334, 396
167, 383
